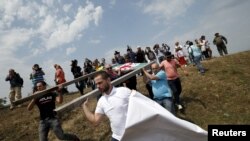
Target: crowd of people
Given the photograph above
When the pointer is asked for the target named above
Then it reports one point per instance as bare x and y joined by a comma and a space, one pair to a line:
162, 82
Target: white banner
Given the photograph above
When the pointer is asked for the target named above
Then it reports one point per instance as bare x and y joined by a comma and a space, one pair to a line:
149, 121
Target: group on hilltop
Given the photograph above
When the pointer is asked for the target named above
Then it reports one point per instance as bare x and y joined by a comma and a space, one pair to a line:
162, 81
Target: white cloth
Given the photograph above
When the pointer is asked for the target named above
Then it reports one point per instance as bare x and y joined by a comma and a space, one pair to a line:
115, 106
148, 121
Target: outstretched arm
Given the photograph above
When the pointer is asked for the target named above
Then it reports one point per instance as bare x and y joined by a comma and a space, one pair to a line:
31, 105
224, 38
93, 118
150, 76
7, 78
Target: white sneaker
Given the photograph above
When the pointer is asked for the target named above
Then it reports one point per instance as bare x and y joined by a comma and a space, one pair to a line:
11, 107
179, 107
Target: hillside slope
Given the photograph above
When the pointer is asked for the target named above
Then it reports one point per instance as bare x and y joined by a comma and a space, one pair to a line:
221, 96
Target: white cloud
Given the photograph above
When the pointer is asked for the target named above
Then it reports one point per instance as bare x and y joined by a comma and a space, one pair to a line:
95, 41
49, 3
67, 7
112, 2
8, 10
27, 12
66, 33
53, 31
47, 25
70, 50
232, 28
19, 10
97, 15
165, 9
39, 27
12, 39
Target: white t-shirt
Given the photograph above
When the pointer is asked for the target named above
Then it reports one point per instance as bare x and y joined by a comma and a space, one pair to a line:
115, 107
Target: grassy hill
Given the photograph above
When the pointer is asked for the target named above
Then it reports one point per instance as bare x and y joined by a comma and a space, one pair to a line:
221, 96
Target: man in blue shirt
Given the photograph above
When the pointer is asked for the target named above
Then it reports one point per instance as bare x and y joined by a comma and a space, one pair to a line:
161, 90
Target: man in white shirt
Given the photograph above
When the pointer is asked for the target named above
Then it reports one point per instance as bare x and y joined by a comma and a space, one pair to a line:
113, 104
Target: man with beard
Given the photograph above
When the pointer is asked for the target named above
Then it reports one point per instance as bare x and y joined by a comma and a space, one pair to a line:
113, 103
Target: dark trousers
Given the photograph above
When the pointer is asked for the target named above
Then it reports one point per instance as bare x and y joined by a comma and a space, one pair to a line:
222, 49
53, 123
150, 91
113, 139
131, 83
80, 86
176, 88
205, 54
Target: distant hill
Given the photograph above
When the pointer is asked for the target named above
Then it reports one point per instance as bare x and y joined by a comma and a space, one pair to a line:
221, 96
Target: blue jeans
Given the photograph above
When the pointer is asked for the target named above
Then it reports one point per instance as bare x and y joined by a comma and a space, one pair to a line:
167, 103
197, 60
113, 139
54, 124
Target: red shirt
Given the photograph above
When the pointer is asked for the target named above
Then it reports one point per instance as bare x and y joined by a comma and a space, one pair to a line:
60, 78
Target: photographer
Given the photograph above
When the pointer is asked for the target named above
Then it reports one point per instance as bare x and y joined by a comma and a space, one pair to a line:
165, 49
16, 83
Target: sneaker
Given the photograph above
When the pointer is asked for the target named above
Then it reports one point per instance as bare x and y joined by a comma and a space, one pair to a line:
19, 106
179, 107
11, 107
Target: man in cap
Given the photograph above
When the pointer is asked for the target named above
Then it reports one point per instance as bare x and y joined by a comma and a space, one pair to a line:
119, 59
220, 42
170, 66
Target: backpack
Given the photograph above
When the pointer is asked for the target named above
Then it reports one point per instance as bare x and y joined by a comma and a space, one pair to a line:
19, 80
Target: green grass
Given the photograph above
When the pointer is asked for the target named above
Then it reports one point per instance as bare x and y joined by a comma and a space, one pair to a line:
221, 96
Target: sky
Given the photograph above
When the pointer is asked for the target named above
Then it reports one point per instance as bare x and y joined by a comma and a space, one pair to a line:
48, 32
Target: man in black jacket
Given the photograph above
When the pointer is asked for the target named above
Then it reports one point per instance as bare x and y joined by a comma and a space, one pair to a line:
77, 72
16, 83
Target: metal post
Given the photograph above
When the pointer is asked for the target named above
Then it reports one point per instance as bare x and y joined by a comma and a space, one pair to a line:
78, 101
41, 93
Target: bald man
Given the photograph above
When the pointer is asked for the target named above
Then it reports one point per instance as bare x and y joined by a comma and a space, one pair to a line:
160, 87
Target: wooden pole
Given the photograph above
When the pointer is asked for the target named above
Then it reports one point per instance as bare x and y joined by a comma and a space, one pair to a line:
41, 93
78, 101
